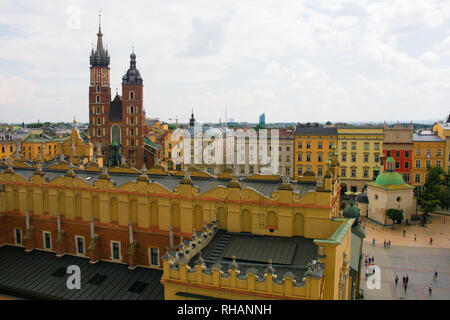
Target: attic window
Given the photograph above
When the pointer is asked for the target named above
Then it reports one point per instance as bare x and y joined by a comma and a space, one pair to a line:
59, 273
98, 279
138, 287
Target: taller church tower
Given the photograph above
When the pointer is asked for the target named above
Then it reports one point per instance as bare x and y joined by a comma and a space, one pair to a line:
99, 93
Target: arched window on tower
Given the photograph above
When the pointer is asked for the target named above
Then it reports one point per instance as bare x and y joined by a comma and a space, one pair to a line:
131, 120
131, 109
98, 121
99, 132
131, 95
97, 99
115, 133
98, 109
98, 88
131, 132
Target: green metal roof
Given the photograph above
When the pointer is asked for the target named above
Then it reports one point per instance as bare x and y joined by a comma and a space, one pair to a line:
41, 137
355, 249
151, 144
388, 177
351, 211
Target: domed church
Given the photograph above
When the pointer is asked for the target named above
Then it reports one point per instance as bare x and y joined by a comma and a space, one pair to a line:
390, 191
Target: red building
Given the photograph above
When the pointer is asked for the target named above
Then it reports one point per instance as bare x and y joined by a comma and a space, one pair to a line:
398, 144
118, 128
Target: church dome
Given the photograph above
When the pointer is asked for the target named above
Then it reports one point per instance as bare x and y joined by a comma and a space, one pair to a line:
351, 211
390, 176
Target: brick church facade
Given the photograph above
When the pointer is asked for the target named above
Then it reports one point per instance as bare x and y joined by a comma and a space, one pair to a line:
118, 128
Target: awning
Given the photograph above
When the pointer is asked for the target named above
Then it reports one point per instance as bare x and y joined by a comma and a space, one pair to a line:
355, 249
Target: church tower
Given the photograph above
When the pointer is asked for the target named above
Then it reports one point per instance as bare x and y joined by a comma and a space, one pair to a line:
133, 115
99, 93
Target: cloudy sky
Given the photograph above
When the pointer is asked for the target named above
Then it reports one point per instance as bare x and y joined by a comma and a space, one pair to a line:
311, 60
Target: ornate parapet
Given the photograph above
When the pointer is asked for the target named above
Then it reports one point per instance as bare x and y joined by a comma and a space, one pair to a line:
231, 281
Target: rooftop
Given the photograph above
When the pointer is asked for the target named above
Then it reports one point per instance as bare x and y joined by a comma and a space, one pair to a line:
427, 136
254, 251
42, 275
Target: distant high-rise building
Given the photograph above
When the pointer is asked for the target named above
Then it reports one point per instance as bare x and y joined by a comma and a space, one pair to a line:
262, 119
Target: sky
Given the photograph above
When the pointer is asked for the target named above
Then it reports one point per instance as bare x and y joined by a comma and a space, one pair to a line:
296, 61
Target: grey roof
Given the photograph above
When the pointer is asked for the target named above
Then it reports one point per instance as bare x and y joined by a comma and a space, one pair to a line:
427, 137
294, 253
169, 182
115, 109
40, 274
302, 130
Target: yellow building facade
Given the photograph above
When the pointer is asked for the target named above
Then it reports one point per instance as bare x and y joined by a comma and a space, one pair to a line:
428, 150
442, 129
360, 150
313, 146
7, 149
39, 144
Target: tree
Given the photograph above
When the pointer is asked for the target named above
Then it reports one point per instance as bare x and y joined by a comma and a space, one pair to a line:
429, 197
395, 215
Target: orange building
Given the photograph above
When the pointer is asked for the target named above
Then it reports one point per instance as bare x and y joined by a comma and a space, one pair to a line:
40, 143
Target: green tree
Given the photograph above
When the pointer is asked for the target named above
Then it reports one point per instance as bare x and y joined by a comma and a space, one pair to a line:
395, 215
429, 198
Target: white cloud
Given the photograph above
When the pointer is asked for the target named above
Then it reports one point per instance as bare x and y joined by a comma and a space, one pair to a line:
295, 60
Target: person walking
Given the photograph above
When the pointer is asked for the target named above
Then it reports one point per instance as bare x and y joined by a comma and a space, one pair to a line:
373, 260
430, 289
385, 243
405, 286
389, 244
373, 242
404, 232
431, 240
370, 261
367, 273
435, 275
415, 237
396, 280
406, 279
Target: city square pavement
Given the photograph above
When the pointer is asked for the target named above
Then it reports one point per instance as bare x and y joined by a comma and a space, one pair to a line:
419, 263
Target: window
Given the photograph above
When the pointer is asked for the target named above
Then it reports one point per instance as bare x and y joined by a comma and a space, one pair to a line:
242, 170
308, 157
97, 99
288, 171
299, 145
417, 178
399, 199
376, 197
154, 256
438, 152
353, 173
319, 171
388, 153
406, 177
79, 242
417, 163
397, 154
131, 132
366, 158
344, 157
98, 88
299, 156
397, 165
343, 172
406, 154
47, 240
406, 164
131, 109
330, 145
98, 110
131, 95
418, 152
319, 157
18, 236
319, 145
428, 163
366, 173
353, 189
98, 121
99, 132
353, 157
288, 148
131, 120
115, 250
377, 146
344, 145
210, 170
299, 171
428, 153
438, 163
251, 169
288, 159
353, 145
308, 145
366, 146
